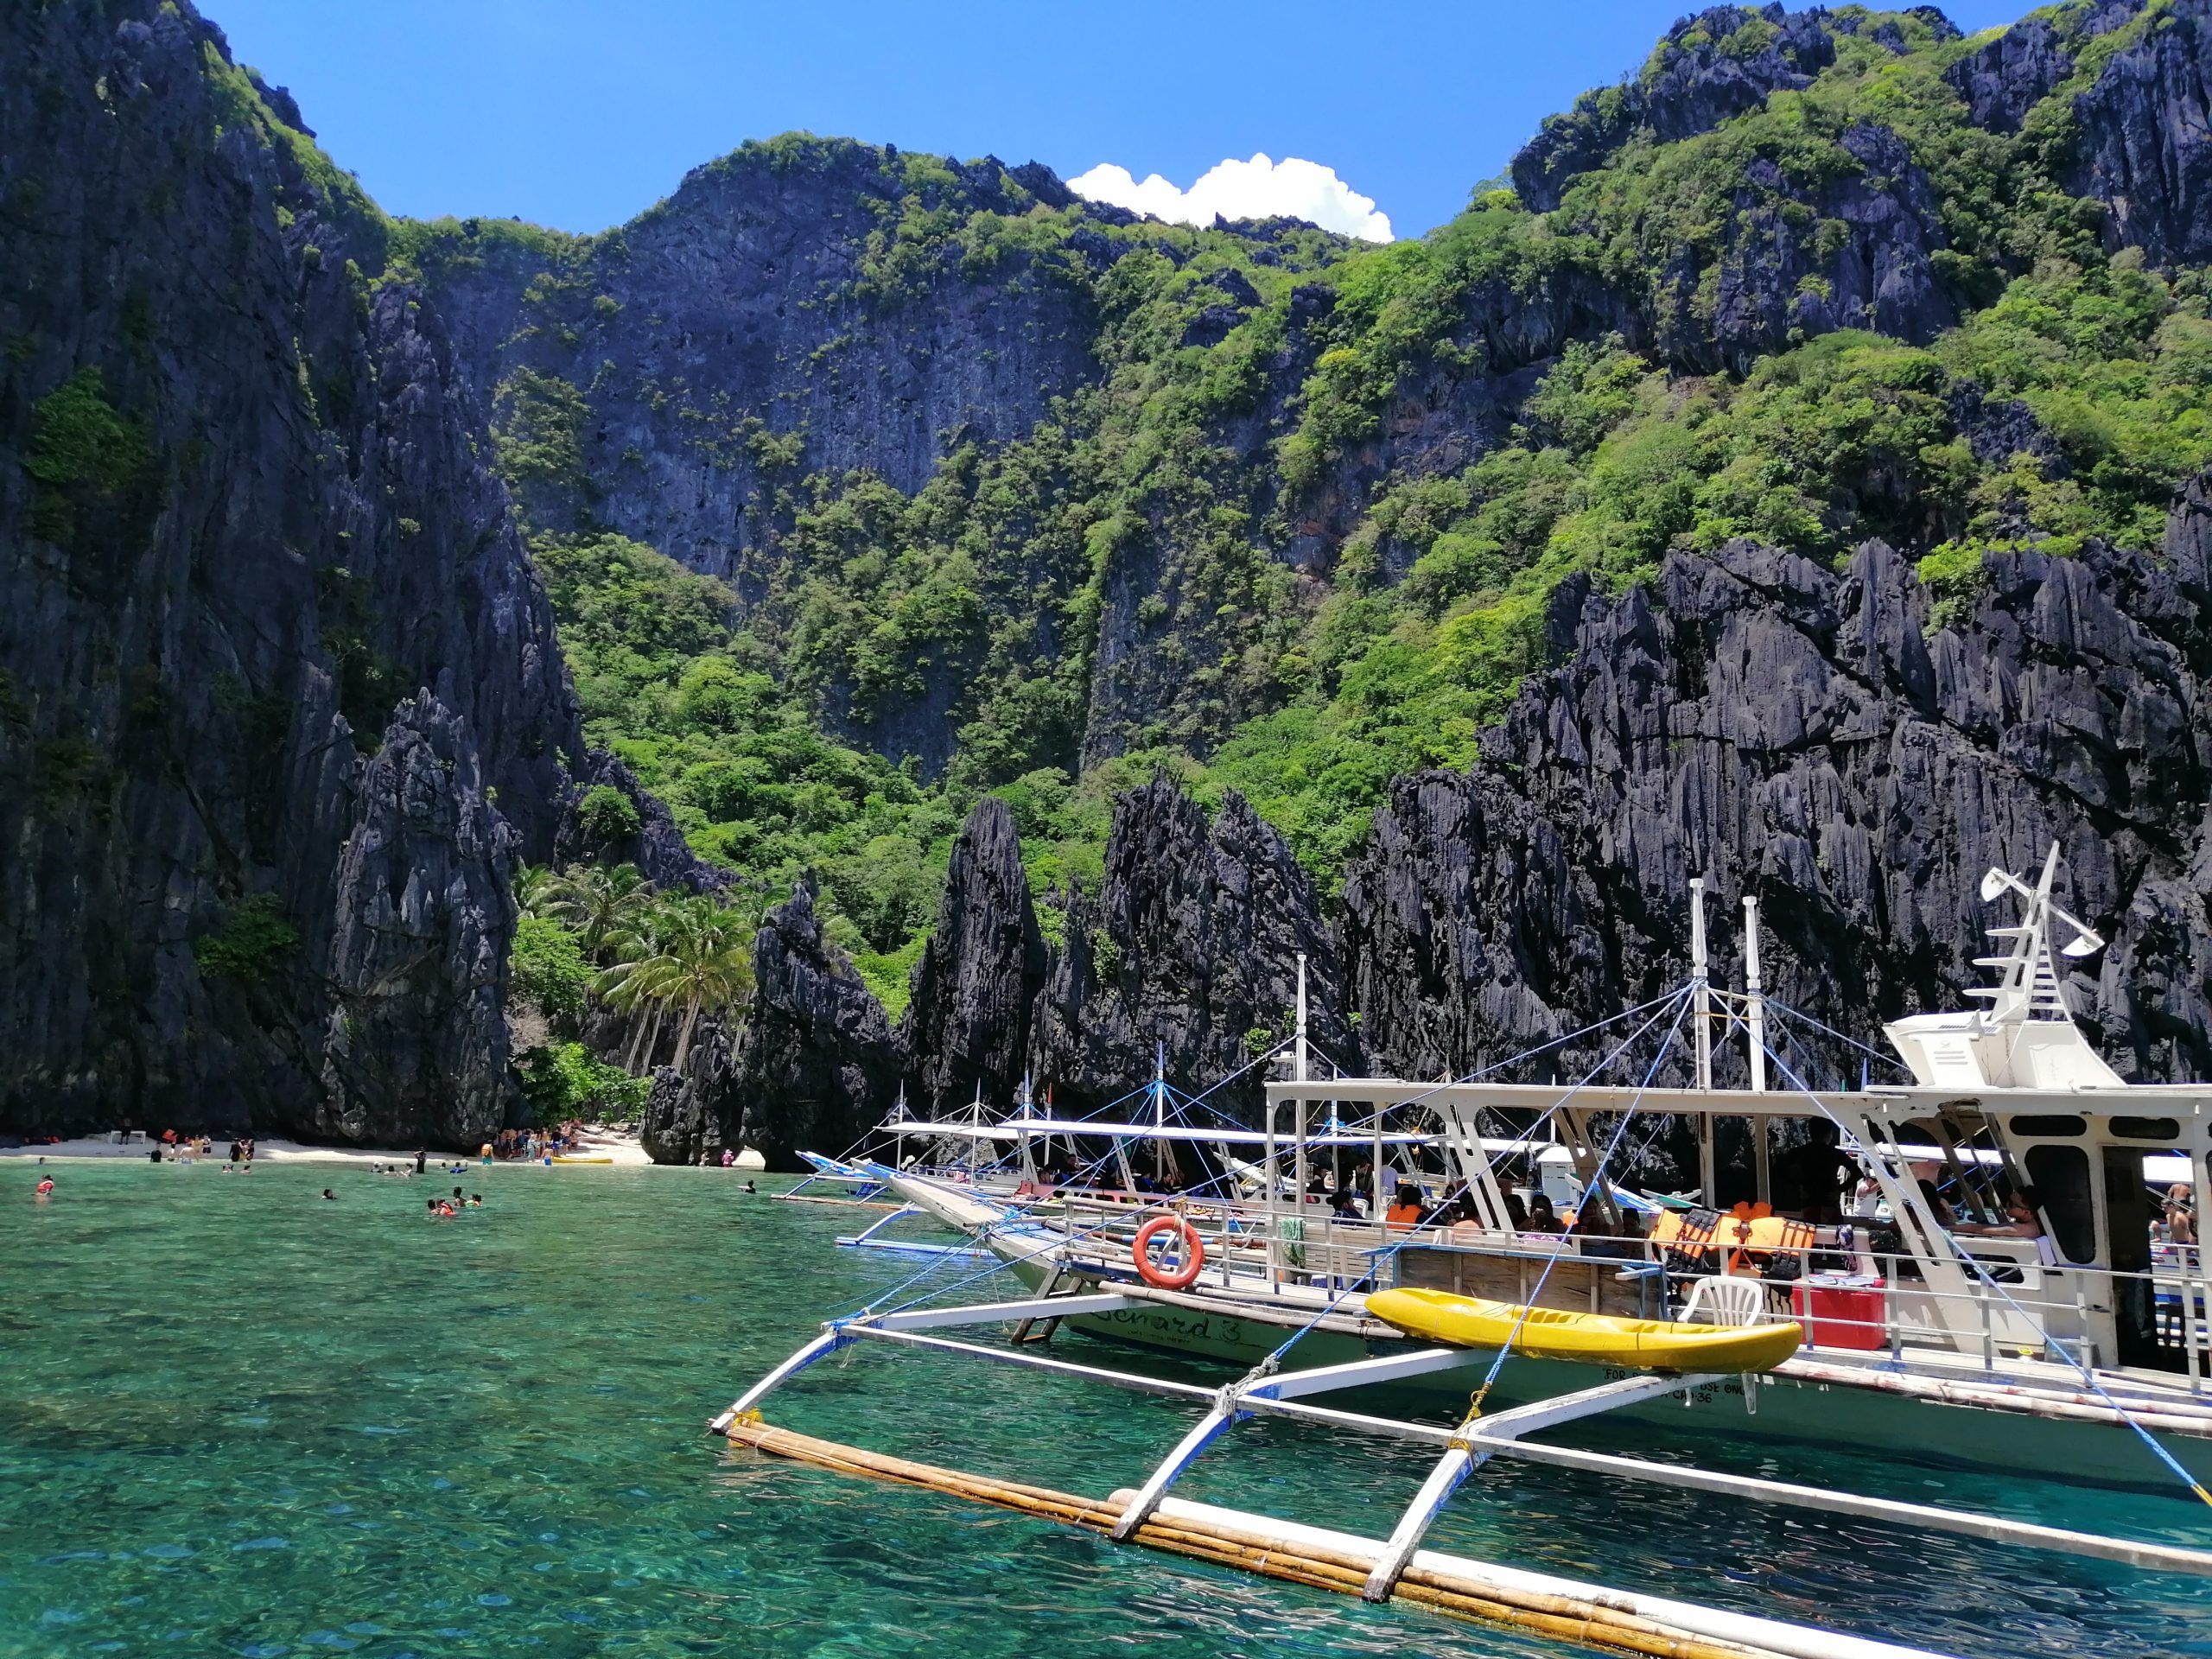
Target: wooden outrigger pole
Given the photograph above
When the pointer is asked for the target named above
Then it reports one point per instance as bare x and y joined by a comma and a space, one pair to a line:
1395, 1569
1535, 1603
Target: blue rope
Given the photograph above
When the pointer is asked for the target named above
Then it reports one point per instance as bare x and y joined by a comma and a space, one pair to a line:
1597, 1179
1774, 1006
1383, 1256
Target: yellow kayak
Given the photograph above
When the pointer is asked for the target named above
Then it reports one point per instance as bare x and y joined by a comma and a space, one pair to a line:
572, 1158
1593, 1338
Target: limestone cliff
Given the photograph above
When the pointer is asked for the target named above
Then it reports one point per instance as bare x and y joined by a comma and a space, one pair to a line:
818, 1067
255, 879
1820, 740
967, 1026
1188, 953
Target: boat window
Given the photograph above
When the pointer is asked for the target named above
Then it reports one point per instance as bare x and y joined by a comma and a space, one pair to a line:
2165, 1130
2060, 1176
2052, 1125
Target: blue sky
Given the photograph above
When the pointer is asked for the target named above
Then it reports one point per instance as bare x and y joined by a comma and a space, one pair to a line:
579, 114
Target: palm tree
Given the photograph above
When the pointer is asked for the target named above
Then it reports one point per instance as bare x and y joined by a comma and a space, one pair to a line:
694, 954
600, 905
535, 888
627, 984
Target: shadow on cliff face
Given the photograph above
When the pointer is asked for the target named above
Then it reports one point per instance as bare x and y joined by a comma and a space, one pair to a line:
282, 702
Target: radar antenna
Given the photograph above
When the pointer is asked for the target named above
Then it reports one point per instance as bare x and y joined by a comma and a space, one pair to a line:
2028, 984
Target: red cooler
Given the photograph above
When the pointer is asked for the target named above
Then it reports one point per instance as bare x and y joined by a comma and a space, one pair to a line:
1839, 1311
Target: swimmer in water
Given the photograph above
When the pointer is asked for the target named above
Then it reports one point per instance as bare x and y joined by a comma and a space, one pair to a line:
327, 1193
45, 1187
476, 1200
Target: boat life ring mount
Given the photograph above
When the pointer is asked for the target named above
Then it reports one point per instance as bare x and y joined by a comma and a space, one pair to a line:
1191, 1248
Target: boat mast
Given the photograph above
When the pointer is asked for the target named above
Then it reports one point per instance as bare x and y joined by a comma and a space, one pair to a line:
1028, 1145
1701, 998
1159, 1109
1754, 996
1755, 1035
1301, 1074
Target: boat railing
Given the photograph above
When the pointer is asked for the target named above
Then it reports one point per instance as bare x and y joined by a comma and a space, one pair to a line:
2015, 1305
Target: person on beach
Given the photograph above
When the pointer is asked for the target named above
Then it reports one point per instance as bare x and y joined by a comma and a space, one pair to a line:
422, 1157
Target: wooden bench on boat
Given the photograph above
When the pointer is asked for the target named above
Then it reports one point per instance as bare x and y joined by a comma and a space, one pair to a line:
1629, 1288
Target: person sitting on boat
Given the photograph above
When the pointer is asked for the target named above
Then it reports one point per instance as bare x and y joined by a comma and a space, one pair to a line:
1602, 1236
1818, 1172
1938, 1205
2181, 1215
1405, 1210
1343, 1206
1542, 1218
2021, 1220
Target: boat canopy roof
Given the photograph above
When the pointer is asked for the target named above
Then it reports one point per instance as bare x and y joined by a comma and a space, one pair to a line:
1900, 1101
1013, 1129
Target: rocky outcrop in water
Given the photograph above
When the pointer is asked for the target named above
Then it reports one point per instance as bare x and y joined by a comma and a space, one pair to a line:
1813, 739
967, 1023
1190, 946
693, 1114
818, 1068
418, 1034
245, 512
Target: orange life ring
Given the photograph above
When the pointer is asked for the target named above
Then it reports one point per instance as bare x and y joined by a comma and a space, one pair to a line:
1194, 1253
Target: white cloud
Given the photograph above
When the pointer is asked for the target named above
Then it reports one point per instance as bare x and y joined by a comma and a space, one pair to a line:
1259, 189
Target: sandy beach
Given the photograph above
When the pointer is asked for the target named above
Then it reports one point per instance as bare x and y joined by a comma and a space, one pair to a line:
599, 1146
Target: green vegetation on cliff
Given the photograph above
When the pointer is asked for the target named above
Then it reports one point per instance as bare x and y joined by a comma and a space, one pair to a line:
1300, 531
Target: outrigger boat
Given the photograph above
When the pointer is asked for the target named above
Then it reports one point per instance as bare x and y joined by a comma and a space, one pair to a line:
2064, 1337
2066, 1348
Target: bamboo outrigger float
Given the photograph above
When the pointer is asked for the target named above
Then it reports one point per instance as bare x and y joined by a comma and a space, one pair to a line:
2057, 1354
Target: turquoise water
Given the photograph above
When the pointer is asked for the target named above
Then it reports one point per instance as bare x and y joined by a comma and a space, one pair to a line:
237, 1419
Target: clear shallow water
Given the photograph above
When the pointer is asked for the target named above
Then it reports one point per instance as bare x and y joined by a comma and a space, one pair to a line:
237, 1419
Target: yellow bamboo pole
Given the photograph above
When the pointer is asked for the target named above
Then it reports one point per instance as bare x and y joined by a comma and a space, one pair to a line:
1589, 1623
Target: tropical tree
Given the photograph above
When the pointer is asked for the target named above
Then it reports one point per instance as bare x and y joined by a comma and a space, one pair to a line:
686, 953
628, 982
598, 905
536, 886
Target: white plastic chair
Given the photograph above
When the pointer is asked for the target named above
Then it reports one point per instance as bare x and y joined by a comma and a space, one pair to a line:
1725, 1300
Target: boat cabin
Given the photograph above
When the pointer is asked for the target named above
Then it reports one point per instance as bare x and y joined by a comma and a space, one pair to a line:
2015, 1197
